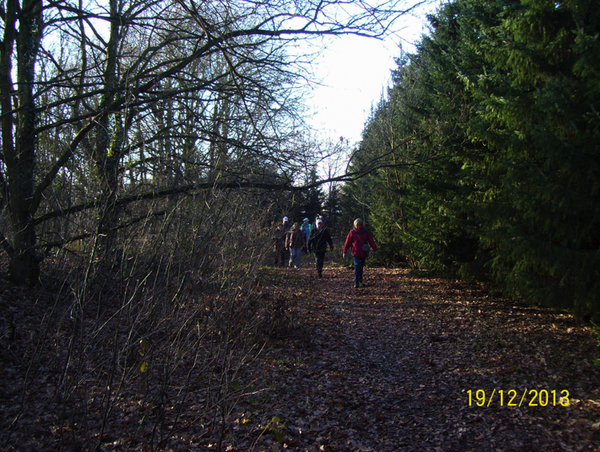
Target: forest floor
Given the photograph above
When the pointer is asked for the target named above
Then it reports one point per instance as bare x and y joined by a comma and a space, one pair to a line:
409, 363
417, 364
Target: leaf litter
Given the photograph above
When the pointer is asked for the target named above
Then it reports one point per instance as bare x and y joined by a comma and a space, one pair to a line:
402, 364
389, 367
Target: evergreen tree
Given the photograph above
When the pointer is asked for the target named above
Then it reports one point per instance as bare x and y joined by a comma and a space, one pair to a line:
487, 149
306, 203
538, 113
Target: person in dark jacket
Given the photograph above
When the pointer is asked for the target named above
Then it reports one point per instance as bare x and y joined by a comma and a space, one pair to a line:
278, 238
361, 241
317, 243
280, 242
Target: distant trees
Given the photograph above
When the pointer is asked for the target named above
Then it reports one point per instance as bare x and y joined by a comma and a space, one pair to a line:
305, 203
146, 145
109, 105
491, 143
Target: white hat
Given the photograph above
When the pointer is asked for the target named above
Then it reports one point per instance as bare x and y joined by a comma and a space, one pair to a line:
285, 218
306, 219
319, 221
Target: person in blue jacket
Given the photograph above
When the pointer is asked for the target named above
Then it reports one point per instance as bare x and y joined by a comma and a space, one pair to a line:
306, 229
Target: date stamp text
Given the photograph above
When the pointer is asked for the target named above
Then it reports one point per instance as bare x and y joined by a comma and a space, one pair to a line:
517, 398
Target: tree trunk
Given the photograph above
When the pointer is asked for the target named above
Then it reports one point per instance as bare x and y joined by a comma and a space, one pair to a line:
107, 151
18, 133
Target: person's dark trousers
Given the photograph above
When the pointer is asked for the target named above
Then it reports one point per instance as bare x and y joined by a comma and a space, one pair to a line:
283, 257
359, 265
320, 255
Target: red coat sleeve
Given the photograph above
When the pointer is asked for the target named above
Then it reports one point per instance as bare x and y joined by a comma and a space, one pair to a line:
348, 243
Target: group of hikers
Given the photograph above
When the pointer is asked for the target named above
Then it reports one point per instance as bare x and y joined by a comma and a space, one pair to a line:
293, 240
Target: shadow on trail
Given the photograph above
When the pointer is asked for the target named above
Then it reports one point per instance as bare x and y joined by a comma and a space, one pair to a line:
391, 365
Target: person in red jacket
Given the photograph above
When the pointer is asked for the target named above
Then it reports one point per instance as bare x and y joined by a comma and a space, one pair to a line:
361, 242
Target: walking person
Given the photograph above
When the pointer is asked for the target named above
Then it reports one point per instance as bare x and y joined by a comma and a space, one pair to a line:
279, 246
318, 217
294, 242
280, 241
306, 229
317, 243
361, 242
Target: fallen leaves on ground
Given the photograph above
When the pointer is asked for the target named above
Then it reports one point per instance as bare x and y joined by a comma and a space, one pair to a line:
390, 367
407, 363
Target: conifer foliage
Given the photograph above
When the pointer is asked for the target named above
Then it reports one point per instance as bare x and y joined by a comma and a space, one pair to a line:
491, 137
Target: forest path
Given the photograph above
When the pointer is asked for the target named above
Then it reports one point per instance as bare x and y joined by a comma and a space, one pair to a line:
388, 368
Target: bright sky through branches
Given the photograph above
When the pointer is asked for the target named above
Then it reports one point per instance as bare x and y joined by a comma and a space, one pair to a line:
355, 73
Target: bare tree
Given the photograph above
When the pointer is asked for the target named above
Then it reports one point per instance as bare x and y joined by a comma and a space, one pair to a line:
95, 92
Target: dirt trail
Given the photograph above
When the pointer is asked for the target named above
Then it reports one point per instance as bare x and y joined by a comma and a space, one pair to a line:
406, 364
388, 368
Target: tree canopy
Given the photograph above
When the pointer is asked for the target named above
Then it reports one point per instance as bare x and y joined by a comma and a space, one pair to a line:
106, 104
491, 137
